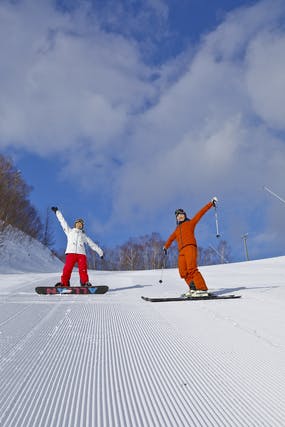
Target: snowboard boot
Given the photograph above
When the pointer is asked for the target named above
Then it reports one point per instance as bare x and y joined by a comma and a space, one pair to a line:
86, 284
61, 285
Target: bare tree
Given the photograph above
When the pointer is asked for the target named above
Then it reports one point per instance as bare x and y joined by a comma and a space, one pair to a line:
130, 255
47, 237
145, 253
211, 255
141, 253
15, 207
224, 251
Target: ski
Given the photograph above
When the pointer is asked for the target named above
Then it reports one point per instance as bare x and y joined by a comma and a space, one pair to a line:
208, 297
77, 290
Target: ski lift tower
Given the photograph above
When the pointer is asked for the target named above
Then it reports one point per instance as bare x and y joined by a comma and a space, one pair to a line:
244, 237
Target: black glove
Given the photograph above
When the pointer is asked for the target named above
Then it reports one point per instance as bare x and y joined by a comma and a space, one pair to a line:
165, 251
102, 256
54, 208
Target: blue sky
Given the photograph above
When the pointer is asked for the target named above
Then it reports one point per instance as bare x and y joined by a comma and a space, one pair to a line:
122, 111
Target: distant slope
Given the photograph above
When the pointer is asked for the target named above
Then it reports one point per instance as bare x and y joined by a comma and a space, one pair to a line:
21, 253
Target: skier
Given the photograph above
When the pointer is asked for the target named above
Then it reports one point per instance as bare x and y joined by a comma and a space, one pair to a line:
75, 250
187, 248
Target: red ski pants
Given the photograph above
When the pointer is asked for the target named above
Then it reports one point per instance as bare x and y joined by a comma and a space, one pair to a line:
187, 265
70, 261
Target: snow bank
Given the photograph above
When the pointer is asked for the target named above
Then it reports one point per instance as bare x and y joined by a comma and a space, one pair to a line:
21, 253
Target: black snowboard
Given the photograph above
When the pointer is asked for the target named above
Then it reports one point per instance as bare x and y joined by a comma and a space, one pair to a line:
78, 290
208, 297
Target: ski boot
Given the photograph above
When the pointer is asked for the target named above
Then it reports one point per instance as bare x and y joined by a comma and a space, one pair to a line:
194, 293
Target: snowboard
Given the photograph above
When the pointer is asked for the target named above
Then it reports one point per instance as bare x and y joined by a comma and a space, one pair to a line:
78, 290
208, 297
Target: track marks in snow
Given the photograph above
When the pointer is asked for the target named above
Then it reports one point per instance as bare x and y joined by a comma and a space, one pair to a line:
124, 365
243, 382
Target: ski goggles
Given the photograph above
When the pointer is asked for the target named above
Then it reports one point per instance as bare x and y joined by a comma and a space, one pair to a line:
180, 211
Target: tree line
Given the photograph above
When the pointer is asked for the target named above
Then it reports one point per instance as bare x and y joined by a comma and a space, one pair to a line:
15, 207
137, 253
146, 253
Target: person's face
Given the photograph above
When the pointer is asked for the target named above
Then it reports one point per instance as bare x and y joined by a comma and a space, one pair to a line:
180, 217
79, 225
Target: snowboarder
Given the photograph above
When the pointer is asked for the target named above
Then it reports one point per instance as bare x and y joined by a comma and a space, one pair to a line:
187, 248
75, 250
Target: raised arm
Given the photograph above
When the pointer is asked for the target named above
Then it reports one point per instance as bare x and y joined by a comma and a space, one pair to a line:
196, 218
61, 220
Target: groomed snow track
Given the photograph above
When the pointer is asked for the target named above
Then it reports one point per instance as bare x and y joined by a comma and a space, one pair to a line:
116, 361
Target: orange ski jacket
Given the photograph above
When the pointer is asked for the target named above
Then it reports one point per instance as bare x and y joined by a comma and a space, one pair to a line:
184, 232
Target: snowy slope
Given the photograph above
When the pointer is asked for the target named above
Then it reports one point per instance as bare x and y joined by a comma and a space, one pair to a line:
115, 360
20, 253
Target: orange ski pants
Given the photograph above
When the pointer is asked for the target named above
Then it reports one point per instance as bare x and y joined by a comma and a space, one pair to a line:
187, 265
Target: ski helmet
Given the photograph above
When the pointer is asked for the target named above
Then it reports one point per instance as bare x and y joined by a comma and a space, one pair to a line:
180, 211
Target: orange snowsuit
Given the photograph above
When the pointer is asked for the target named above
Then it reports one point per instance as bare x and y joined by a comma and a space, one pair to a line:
187, 247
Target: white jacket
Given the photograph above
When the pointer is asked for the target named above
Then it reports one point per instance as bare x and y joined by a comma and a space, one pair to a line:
76, 239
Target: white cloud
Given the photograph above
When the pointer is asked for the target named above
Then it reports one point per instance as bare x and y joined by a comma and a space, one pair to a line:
205, 136
155, 137
266, 77
61, 83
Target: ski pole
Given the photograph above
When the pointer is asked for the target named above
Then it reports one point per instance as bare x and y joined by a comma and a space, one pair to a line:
273, 194
161, 274
217, 222
162, 267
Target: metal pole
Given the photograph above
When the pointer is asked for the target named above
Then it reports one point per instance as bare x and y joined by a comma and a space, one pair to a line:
162, 268
244, 237
217, 223
273, 194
